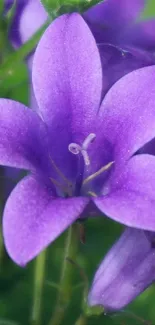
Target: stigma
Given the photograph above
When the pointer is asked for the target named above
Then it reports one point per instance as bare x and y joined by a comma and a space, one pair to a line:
77, 149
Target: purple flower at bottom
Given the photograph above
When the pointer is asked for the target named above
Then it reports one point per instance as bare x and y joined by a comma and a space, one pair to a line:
78, 150
126, 271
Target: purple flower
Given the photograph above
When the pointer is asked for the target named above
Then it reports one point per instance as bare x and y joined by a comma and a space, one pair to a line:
29, 17
78, 151
125, 42
14, 35
126, 271
112, 20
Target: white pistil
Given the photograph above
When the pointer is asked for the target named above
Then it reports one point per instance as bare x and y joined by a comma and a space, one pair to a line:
89, 139
75, 148
85, 157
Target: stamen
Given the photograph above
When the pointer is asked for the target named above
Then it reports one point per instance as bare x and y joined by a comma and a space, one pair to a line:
60, 173
61, 187
100, 171
92, 194
56, 183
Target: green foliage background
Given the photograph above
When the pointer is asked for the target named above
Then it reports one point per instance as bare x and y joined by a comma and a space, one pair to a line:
16, 284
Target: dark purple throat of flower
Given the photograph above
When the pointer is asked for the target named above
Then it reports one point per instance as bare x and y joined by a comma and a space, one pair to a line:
83, 181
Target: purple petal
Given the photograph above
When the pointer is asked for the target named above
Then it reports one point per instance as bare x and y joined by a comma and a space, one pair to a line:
126, 271
131, 197
148, 148
141, 35
32, 99
69, 94
126, 119
107, 18
125, 122
11, 177
67, 83
117, 62
115, 12
33, 219
32, 18
22, 136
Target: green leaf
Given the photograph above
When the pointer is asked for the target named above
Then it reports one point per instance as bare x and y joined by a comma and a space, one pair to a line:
7, 322
5, 24
10, 15
93, 310
58, 7
16, 76
13, 60
3, 35
1, 7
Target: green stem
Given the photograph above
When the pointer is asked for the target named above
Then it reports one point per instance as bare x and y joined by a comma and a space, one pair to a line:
1, 7
38, 288
2, 251
1, 248
82, 320
66, 277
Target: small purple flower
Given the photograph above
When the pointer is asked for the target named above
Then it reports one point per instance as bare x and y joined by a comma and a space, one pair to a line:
32, 17
78, 150
126, 271
125, 41
29, 17
14, 35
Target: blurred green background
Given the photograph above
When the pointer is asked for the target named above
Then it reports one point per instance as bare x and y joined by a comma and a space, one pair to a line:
17, 284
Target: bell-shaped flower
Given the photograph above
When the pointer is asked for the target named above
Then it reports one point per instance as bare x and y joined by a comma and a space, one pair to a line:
29, 17
77, 150
126, 41
125, 272
119, 22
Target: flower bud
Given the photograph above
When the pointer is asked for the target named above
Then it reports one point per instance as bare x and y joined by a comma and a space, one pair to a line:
126, 271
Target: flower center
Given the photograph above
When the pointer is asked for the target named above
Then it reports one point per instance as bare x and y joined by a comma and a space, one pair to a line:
75, 148
83, 184
82, 151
